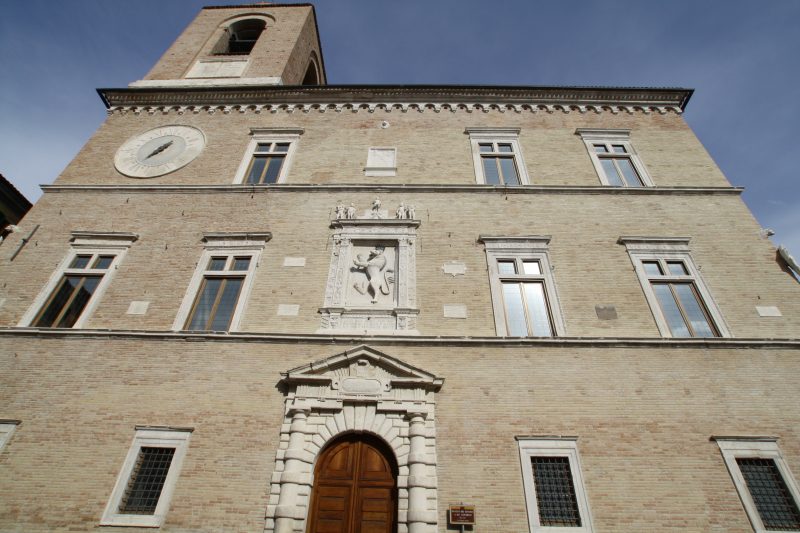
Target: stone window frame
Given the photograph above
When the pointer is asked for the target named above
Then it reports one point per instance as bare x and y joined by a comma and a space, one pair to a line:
530, 447
757, 447
7, 428
154, 437
665, 248
533, 247
83, 243
591, 136
479, 135
224, 244
269, 135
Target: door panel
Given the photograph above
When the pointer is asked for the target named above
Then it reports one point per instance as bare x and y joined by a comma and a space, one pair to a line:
355, 487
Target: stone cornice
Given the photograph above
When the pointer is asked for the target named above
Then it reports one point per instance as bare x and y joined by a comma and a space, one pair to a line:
416, 340
395, 188
402, 98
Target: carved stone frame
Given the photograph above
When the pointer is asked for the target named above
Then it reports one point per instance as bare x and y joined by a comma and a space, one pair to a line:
337, 317
359, 391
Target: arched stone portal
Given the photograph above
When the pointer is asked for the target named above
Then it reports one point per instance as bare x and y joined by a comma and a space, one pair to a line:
355, 487
358, 391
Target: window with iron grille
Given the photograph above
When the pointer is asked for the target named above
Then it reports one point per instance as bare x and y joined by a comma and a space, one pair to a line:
614, 158
146, 482
554, 491
497, 156
766, 487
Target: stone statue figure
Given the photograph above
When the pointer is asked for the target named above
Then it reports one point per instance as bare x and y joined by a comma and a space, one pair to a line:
401, 211
376, 208
350, 213
379, 276
341, 212
410, 214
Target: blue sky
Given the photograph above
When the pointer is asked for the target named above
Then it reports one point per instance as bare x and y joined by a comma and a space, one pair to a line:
740, 57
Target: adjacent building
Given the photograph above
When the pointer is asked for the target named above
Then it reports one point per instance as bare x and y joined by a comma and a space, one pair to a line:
259, 302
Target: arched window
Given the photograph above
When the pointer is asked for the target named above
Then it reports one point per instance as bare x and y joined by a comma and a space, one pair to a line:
240, 37
311, 77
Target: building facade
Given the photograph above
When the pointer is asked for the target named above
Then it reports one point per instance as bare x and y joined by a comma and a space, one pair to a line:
258, 302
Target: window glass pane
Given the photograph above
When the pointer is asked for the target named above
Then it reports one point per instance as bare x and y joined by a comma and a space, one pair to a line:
256, 169
611, 172
677, 268
103, 262
80, 261
504, 148
618, 149
282, 147
506, 267
485, 147
652, 268
531, 267
57, 302
600, 148
537, 310
217, 263
555, 492
241, 263
226, 305
490, 172
515, 313
509, 171
774, 502
629, 173
263, 148
81, 294
273, 169
204, 304
147, 481
672, 314
693, 309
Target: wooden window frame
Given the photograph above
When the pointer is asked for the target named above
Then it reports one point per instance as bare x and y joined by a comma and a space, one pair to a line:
263, 136
733, 448
520, 278
530, 447
519, 249
608, 138
225, 274
150, 437
478, 136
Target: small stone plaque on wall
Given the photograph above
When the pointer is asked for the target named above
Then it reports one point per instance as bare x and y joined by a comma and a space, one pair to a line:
294, 261
454, 268
768, 310
288, 309
606, 312
138, 308
455, 311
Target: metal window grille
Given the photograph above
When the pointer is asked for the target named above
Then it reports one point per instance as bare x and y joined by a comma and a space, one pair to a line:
774, 502
555, 492
146, 481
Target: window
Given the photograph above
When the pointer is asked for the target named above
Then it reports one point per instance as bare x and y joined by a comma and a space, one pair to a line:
680, 301
221, 283
554, 493
614, 158
765, 485
268, 156
497, 156
523, 290
147, 480
7, 428
74, 289
240, 37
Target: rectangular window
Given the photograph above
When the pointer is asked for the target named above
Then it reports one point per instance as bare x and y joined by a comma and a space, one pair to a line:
497, 156
75, 288
765, 485
614, 158
218, 290
553, 485
680, 301
523, 290
147, 480
268, 156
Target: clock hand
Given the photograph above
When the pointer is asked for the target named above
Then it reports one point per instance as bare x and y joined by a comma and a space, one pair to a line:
160, 149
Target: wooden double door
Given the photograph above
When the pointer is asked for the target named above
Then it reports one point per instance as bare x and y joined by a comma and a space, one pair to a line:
355, 488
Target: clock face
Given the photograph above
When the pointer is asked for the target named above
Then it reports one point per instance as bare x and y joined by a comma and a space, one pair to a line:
159, 151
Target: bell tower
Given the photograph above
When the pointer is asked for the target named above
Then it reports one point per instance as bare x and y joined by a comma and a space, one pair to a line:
257, 44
